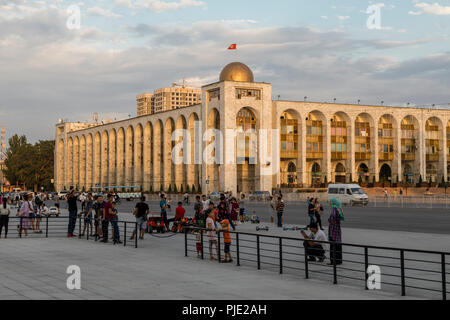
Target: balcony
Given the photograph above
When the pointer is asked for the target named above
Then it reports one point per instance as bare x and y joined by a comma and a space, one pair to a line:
338, 155
289, 154
385, 156
362, 155
432, 157
408, 156
314, 155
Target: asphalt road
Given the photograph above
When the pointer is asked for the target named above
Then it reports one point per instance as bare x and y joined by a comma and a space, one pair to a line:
423, 220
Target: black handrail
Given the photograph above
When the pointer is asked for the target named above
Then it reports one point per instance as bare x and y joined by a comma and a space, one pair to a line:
335, 255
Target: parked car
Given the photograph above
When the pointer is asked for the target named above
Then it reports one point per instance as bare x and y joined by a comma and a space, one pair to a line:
53, 211
260, 196
62, 194
214, 196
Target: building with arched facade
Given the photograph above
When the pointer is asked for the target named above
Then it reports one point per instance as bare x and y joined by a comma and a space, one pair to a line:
239, 139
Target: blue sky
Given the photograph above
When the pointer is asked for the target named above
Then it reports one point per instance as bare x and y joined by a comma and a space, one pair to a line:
321, 49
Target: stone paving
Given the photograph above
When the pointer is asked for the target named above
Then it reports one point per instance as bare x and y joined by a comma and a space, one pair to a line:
36, 269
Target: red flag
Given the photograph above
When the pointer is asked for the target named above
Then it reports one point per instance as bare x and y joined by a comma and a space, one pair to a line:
232, 47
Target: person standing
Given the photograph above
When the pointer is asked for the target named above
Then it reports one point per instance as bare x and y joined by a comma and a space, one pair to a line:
311, 211
224, 210
242, 208
334, 231
199, 213
98, 219
318, 213
205, 202
115, 223
107, 216
87, 212
5, 211
24, 213
141, 211
273, 208
71, 199
280, 211
212, 236
163, 206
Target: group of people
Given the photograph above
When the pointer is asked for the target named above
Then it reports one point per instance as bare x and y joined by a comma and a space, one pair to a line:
316, 236
29, 207
97, 214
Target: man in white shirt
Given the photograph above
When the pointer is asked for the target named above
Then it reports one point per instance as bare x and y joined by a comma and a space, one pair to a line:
314, 249
205, 203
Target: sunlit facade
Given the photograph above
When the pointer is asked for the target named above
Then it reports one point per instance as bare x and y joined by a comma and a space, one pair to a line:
307, 144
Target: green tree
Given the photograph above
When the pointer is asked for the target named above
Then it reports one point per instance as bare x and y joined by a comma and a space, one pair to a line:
30, 164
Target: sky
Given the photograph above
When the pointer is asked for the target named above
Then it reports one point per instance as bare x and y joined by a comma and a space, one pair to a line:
51, 67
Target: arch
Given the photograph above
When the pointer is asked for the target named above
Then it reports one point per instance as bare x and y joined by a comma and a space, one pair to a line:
214, 147
316, 174
340, 125
104, 158
129, 156
76, 163
385, 173
148, 157
97, 161
169, 167
112, 159
158, 148
363, 173
364, 137
387, 126
83, 159
408, 173
431, 173
60, 162
184, 153
138, 156
433, 139
316, 143
339, 173
89, 161
246, 150
194, 169
120, 157
289, 144
70, 155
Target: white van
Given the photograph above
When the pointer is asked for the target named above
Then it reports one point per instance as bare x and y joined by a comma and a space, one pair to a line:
348, 194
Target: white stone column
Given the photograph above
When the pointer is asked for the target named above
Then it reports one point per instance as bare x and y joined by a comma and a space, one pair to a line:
374, 163
302, 152
327, 151
351, 167
397, 163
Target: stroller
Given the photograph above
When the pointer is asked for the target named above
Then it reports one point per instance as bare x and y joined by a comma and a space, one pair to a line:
155, 223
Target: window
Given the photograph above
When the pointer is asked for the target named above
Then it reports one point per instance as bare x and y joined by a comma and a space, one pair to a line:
333, 191
241, 93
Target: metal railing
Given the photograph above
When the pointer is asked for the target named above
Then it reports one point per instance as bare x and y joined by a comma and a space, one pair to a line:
50, 227
415, 271
402, 201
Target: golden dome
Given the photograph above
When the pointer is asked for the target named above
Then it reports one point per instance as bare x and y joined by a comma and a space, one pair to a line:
236, 71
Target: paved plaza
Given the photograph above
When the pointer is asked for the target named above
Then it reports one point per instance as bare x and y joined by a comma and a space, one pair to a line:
35, 268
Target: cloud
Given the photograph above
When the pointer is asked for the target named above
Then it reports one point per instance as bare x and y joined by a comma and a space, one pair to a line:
71, 74
162, 6
342, 18
435, 8
97, 11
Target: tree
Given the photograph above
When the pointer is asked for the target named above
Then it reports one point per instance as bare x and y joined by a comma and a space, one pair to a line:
30, 164
193, 188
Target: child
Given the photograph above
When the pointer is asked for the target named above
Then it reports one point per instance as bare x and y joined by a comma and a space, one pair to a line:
199, 246
226, 240
255, 218
234, 210
211, 233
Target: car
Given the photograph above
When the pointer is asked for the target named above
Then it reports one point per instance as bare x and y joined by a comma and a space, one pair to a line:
53, 211
260, 196
214, 196
62, 194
